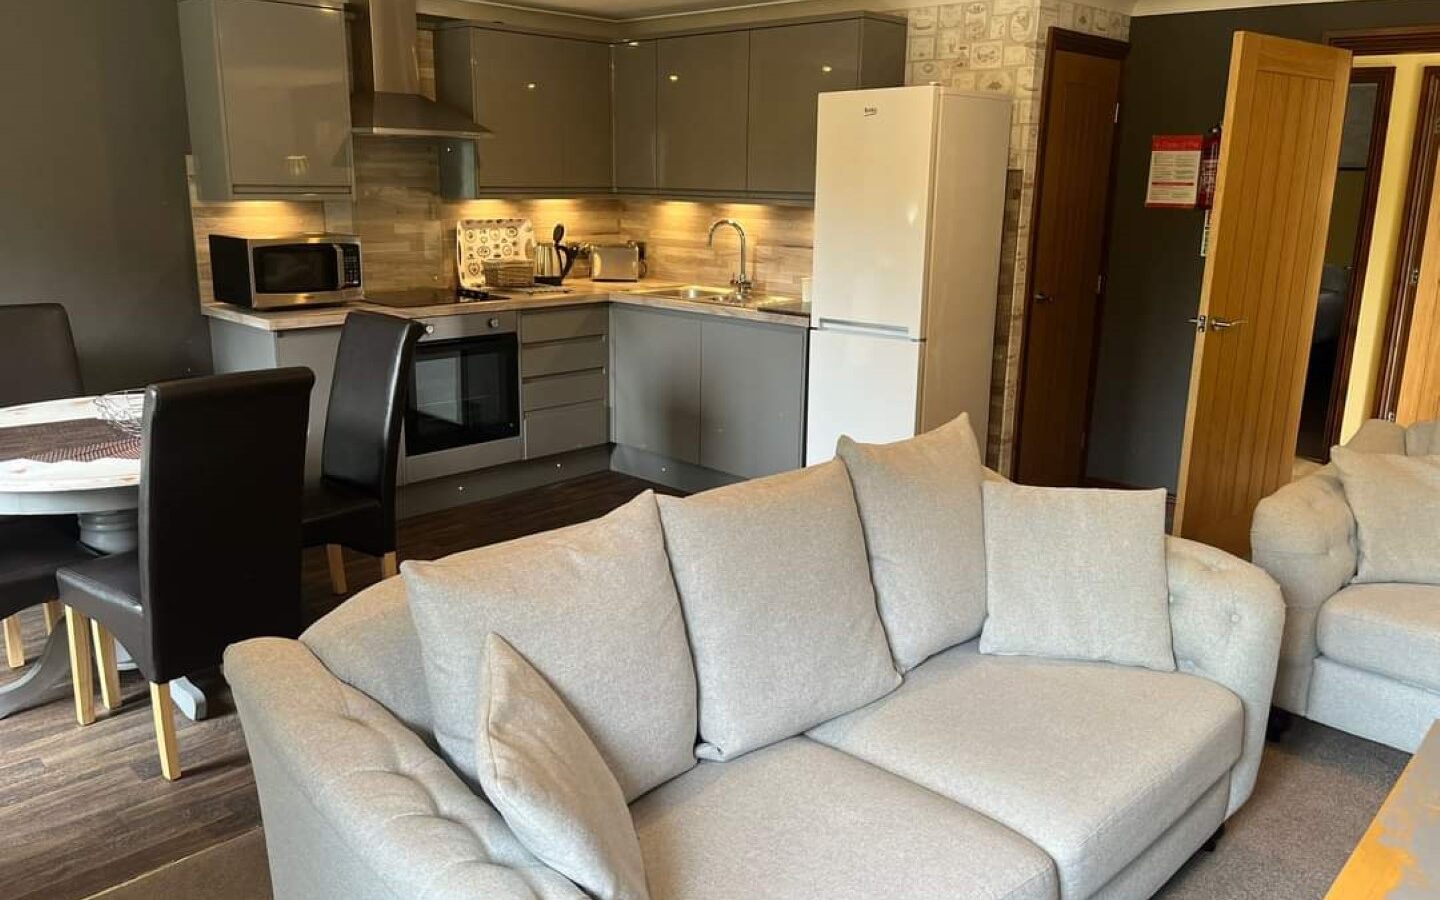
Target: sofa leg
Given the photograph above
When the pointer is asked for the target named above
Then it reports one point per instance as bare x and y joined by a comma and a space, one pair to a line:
1210, 845
1279, 722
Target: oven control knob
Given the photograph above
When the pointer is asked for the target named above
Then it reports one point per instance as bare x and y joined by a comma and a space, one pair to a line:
429, 329
494, 323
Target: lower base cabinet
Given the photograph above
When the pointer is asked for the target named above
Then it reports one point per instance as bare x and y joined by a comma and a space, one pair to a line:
724, 394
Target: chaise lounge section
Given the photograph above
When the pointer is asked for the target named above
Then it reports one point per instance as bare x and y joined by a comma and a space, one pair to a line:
980, 775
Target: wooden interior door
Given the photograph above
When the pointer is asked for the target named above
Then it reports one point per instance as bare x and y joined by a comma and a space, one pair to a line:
1420, 378
1284, 111
1081, 100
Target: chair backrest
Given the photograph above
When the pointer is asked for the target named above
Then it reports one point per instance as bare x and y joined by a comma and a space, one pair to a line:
222, 476
37, 354
367, 405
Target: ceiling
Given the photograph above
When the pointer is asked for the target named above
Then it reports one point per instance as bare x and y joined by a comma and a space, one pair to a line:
629, 10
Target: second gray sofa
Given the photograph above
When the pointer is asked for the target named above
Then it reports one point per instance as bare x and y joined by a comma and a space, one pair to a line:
979, 776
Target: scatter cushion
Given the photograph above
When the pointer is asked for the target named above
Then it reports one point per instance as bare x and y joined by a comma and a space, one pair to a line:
1077, 574
920, 504
554, 789
593, 606
777, 597
1423, 438
1396, 502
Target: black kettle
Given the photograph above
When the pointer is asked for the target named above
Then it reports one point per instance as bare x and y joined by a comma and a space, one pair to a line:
554, 260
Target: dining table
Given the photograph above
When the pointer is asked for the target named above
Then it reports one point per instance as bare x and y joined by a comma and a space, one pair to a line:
60, 457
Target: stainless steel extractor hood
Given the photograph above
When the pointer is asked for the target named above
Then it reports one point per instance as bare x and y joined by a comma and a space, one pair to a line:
387, 99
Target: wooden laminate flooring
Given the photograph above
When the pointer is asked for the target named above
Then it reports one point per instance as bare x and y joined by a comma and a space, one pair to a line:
82, 809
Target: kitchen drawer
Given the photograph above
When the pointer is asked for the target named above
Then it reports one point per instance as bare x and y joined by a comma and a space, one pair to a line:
563, 428
561, 324
562, 390
564, 356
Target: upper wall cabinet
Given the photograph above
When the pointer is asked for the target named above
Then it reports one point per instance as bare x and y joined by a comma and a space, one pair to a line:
632, 66
702, 105
268, 93
790, 66
546, 101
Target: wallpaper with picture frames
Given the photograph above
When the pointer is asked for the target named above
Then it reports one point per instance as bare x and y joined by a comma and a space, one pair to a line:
999, 45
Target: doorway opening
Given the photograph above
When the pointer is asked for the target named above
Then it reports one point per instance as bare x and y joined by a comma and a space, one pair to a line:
1069, 232
1347, 251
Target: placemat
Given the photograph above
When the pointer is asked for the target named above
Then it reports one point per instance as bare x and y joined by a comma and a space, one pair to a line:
77, 440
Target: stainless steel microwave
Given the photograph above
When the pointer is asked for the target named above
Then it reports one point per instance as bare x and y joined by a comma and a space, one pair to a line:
296, 270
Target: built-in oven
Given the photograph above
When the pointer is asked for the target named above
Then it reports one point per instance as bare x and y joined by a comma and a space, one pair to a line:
463, 407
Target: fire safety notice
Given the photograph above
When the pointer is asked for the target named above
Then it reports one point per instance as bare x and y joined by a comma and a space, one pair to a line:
1174, 171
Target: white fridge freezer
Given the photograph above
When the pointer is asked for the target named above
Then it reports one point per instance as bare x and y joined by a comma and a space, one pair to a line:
909, 211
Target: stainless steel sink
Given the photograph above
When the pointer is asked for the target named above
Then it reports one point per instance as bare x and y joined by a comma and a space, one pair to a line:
694, 292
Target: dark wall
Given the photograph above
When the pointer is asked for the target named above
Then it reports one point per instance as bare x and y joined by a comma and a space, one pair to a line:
93, 205
1175, 81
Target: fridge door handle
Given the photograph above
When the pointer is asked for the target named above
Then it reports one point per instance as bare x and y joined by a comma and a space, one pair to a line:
851, 326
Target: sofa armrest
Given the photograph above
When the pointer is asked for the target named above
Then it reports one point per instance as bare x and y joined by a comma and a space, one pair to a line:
1304, 536
1226, 618
355, 804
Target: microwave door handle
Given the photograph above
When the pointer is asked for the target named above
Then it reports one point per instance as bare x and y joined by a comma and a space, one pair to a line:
339, 266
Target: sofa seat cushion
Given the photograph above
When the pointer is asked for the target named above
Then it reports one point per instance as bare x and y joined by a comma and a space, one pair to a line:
1090, 761
800, 820
1388, 629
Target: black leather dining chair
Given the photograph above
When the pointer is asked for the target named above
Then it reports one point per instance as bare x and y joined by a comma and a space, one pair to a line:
353, 505
222, 473
37, 363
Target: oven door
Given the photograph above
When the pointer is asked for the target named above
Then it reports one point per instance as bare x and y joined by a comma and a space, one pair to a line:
463, 410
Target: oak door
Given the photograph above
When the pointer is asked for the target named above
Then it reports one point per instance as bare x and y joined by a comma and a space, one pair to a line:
1062, 318
1284, 111
1420, 378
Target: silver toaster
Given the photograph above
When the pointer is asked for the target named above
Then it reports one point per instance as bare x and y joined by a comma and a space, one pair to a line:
617, 262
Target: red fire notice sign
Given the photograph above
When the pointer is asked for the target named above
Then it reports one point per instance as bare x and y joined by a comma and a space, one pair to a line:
1174, 171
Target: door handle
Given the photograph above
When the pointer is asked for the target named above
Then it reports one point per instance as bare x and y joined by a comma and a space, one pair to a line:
1199, 322
1217, 324
1042, 297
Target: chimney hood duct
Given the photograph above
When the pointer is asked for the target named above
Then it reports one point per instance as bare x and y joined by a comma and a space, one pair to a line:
387, 100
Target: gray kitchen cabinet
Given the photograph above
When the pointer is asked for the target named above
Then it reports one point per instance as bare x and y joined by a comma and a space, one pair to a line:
656, 381
752, 397
268, 95
564, 379
242, 348
632, 65
790, 66
545, 100
702, 107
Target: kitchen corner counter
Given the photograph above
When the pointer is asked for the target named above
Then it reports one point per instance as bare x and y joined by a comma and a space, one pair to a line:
581, 293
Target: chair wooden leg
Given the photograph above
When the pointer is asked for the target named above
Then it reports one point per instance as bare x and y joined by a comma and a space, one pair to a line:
335, 556
105, 666
14, 643
163, 711
77, 629
54, 612
389, 566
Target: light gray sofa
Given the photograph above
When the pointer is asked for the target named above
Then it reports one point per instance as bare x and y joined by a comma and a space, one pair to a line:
1364, 658
980, 776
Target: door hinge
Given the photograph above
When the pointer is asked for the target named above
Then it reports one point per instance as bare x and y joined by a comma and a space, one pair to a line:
1116, 120
1414, 277
1100, 284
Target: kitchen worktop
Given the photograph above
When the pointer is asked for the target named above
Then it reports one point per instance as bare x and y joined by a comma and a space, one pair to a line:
580, 292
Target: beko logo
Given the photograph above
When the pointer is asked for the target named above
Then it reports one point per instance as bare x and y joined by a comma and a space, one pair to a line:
868, 110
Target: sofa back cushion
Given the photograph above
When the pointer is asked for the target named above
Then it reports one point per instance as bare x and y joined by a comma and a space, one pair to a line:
593, 606
777, 597
924, 523
1077, 574
1396, 502
1423, 438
